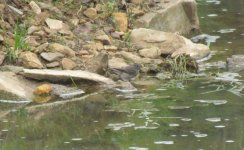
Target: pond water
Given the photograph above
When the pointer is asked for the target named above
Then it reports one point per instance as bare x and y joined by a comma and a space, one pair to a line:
206, 113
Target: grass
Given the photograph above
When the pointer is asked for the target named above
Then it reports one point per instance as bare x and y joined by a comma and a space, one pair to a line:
20, 32
181, 65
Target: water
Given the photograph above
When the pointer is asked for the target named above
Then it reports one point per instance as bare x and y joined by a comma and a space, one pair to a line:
202, 114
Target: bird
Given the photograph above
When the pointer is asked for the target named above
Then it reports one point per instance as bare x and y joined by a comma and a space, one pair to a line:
127, 73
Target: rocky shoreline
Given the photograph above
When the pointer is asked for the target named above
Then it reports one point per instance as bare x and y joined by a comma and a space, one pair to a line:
55, 42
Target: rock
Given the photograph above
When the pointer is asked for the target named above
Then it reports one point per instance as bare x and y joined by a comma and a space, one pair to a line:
110, 48
146, 83
135, 58
17, 85
117, 63
43, 89
65, 92
54, 24
117, 35
42, 99
68, 64
152, 52
1, 38
35, 7
52, 64
168, 43
104, 39
30, 60
55, 47
98, 64
75, 21
121, 21
10, 68
2, 57
137, 1
41, 48
51, 56
31, 40
33, 29
91, 13
235, 63
176, 16
125, 87
64, 75
82, 52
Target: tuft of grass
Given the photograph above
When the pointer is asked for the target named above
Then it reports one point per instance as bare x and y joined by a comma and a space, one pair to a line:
109, 7
181, 65
20, 32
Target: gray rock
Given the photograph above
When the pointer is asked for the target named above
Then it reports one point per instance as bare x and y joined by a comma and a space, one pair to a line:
65, 92
51, 56
54, 24
152, 52
176, 16
66, 75
235, 63
116, 63
98, 64
2, 57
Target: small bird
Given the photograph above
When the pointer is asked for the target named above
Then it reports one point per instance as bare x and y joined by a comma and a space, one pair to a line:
127, 73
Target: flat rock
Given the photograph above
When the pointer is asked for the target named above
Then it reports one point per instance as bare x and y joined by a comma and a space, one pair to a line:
17, 85
50, 57
30, 60
235, 63
175, 16
64, 75
55, 47
54, 24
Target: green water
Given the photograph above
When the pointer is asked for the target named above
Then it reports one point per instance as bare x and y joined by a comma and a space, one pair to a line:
179, 115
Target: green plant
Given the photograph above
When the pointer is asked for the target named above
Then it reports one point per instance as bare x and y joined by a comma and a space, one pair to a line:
127, 39
11, 54
109, 7
20, 32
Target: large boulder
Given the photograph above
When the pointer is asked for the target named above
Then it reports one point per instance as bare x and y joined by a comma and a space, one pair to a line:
168, 43
30, 60
176, 16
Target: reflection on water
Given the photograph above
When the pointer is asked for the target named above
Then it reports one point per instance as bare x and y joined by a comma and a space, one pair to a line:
200, 114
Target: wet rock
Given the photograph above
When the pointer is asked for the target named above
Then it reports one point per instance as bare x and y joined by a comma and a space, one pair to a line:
65, 92
117, 63
235, 63
54, 24
53, 64
68, 64
204, 37
98, 64
125, 87
2, 57
146, 82
42, 99
55, 47
121, 21
35, 7
51, 56
10, 68
66, 75
168, 43
90, 13
30, 60
152, 52
176, 16
104, 39
43, 89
